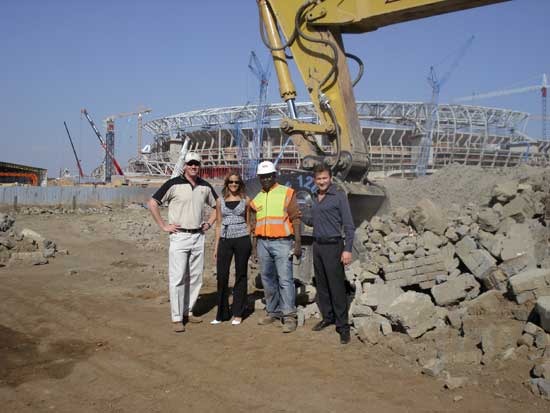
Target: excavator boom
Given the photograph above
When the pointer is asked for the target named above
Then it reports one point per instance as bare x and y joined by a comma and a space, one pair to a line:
312, 31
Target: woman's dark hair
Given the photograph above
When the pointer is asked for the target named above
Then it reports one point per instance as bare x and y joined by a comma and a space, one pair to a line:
242, 188
322, 167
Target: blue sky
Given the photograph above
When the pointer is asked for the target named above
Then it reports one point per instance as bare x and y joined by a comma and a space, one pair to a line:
174, 56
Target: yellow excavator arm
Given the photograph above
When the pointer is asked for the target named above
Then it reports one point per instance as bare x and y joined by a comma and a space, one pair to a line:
312, 31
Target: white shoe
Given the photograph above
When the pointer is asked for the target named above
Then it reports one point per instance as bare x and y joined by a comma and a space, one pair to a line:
236, 322
213, 322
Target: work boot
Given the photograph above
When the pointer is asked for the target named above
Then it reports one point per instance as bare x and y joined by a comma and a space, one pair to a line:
267, 319
344, 336
321, 325
290, 324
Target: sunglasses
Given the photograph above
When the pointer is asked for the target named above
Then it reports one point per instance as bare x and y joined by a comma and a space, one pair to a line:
234, 182
193, 163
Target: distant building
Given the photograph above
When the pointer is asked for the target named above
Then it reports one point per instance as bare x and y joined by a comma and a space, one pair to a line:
11, 173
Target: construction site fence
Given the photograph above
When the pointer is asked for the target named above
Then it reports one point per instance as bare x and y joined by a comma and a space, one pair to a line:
72, 197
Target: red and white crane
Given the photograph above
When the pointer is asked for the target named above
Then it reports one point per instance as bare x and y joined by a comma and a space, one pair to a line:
543, 88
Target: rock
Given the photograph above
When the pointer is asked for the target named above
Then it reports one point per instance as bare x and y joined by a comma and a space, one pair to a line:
29, 258
527, 340
457, 289
531, 329
478, 261
495, 279
401, 214
498, 338
414, 313
492, 243
516, 264
541, 339
455, 318
490, 302
426, 216
543, 310
6, 222
489, 219
380, 296
505, 191
521, 208
518, 242
542, 369
453, 383
544, 388
361, 310
433, 367
7, 242
369, 331
530, 284
32, 235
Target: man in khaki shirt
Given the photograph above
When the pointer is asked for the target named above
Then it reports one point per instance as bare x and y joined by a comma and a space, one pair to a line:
186, 196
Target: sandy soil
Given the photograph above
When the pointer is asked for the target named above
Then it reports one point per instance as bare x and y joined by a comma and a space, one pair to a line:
90, 332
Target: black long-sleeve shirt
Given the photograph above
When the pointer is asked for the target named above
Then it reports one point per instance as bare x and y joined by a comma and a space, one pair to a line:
332, 218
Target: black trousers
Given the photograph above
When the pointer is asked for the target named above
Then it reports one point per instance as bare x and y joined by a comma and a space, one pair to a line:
241, 249
330, 280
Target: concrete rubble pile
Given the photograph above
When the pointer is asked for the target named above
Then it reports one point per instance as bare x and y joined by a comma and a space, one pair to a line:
25, 247
465, 286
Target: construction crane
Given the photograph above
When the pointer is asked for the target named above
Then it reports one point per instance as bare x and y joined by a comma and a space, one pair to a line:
108, 153
110, 127
432, 110
80, 172
543, 88
254, 150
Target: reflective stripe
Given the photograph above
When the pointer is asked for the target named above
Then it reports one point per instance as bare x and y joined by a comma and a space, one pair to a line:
272, 218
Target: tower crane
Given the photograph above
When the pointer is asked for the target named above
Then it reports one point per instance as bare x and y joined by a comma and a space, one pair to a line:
543, 88
254, 150
432, 111
110, 126
109, 154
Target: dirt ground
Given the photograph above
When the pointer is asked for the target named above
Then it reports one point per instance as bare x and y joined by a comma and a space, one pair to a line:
90, 332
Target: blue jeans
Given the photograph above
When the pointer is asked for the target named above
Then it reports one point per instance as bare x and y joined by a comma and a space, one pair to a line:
276, 273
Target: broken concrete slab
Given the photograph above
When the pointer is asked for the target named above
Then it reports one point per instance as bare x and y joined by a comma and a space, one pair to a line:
476, 260
463, 287
414, 313
426, 216
543, 310
530, 284
379, 296
489, 219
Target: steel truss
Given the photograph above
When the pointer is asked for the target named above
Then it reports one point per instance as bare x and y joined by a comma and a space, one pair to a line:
473, 135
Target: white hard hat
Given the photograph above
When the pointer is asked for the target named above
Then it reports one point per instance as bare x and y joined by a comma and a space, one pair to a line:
192, 156
265, 168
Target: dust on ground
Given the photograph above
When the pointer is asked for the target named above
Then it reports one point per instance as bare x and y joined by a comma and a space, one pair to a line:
91, 332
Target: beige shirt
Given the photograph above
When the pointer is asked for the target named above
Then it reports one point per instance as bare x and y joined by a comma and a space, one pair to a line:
185, 201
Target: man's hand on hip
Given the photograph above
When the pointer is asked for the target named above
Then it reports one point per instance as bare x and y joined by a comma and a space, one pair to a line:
171, 228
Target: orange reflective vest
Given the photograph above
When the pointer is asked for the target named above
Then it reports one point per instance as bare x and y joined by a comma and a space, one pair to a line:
272, 218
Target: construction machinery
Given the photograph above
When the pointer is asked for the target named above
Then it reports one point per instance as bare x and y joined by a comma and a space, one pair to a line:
436, 83
543, 88
108, 152
310, 33
80, 171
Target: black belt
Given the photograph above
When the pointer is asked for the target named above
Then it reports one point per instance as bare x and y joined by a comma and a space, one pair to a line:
274, 238
190, 231
328, 240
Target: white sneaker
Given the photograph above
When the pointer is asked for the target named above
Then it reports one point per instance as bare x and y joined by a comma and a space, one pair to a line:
236, 322
213, 322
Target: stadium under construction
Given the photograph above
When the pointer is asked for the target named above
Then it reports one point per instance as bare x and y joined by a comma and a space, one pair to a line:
461, 134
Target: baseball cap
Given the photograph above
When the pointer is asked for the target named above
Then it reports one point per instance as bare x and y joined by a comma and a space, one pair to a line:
192, 156
265, 167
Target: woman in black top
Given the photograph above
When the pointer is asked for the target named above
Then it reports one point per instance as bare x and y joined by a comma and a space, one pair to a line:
232, 239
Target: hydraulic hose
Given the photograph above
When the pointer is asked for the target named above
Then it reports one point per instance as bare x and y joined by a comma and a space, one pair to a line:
361, 67
338, 143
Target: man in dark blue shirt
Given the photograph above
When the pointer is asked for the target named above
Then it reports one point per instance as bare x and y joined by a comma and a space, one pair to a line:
333, 233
